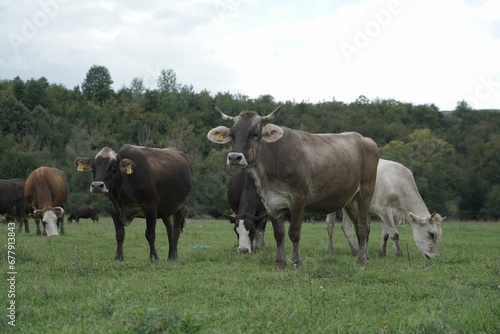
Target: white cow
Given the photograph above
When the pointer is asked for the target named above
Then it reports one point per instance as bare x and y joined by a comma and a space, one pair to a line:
396, 201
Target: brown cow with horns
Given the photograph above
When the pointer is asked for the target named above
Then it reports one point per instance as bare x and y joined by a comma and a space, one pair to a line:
143, 182
296, 171
46, 192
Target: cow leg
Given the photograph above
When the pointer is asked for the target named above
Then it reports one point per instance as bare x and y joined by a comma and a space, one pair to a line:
150, 235
120, 237
383, 245
297, 217
361, 221
330, 224
279, 236
174, 225
259, 235
389, 230
61, 220
348, 229
38, 230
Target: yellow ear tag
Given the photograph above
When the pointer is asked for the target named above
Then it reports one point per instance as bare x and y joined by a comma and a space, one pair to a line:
129, 170
219, 137
80, 167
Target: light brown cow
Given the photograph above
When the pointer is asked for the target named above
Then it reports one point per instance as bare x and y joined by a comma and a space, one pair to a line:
297, 172
46, 192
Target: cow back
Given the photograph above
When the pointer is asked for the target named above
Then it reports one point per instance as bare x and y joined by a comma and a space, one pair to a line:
324, 169
161, 176
46, 187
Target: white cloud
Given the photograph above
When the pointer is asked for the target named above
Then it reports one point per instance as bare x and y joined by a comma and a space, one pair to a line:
414, 51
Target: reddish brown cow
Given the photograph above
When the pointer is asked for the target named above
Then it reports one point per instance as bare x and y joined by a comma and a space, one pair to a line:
46, 192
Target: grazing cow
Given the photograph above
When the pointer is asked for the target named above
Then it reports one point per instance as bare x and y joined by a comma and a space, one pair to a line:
251, 216
396, 200
142, 182
296, 171
46, 192
83, 211
12, 204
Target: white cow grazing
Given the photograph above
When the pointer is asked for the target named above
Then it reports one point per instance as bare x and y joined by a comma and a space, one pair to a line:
396, 201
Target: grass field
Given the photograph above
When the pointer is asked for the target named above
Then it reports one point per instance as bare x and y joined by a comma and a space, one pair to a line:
71, 284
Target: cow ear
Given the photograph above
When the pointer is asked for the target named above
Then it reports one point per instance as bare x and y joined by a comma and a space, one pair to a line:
127, 166
219, 135
271, 133
59, 211
230, 218
37, 214
83, 164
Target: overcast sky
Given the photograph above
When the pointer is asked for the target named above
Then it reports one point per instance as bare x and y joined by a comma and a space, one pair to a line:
417, 51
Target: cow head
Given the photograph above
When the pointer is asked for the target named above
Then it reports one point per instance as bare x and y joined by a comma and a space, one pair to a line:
246, 135
49, 217
106, 167
248, 228
427, 233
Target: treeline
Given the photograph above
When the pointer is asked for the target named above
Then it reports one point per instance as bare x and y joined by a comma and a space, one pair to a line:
455, 156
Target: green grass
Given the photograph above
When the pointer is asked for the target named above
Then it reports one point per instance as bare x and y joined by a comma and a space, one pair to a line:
71, 284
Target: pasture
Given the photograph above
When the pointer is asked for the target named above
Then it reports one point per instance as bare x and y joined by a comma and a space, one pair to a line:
71, 283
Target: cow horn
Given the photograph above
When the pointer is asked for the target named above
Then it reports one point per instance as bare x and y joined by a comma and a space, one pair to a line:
271, 115
224, 116
432, 216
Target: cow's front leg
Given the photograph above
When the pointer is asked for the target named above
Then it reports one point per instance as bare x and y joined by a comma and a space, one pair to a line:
279, 236
38, 230
296, 219
120, 238
151, 235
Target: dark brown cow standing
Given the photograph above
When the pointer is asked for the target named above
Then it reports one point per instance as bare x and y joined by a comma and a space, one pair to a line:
143, 182
296, 171
12, 204
251, 216
83, 211
46, 192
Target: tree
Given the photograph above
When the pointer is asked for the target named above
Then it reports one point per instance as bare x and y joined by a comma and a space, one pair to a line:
137, 87
167, 82
97, 84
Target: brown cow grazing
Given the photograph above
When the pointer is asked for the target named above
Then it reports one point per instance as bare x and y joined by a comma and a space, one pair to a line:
296, 171
142, 182
46, 192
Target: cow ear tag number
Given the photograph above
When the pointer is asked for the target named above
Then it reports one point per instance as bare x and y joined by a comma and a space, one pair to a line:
129, 170
80, 167
219, 137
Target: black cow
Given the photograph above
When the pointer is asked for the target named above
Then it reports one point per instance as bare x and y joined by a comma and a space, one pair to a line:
83, 211
143, 182
297, 172
251, 216
12, 203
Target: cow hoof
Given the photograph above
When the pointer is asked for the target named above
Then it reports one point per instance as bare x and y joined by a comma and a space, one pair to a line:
297, 265
279, 266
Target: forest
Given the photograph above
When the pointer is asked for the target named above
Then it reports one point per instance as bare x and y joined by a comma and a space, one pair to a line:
454, 155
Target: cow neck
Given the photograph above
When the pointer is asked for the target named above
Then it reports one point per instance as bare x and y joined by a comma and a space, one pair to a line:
258, 176
113, 196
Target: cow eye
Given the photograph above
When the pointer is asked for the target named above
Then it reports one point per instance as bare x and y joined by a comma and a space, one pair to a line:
432, 235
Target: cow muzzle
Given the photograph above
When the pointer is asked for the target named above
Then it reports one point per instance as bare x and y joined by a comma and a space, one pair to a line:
235, 159
98, 187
